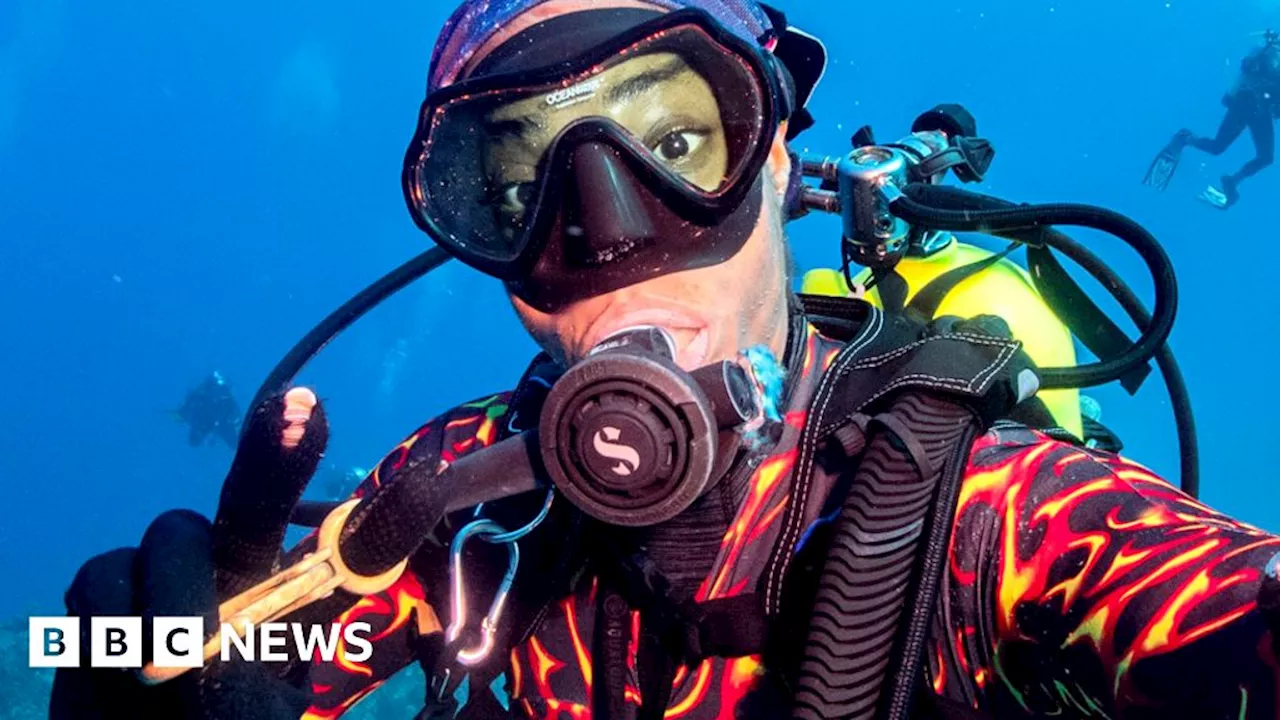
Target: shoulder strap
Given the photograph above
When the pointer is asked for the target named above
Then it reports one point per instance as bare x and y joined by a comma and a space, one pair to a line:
880, 581
909, 401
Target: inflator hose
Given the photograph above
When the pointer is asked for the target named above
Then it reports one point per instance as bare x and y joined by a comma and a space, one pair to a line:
342, 318
1179, 399
931, 206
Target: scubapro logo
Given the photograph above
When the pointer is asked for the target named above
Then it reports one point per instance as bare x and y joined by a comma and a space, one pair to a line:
606, 443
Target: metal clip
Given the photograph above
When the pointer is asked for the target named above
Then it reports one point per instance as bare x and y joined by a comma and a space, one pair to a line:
458, 616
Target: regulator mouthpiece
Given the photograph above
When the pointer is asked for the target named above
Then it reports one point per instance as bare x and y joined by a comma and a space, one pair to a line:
632, 439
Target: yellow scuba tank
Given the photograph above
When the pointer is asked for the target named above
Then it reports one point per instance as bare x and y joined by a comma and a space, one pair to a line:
1004, 289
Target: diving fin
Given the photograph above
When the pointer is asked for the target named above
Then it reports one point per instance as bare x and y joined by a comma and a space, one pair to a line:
1221, 199
1214, 197
1162, 168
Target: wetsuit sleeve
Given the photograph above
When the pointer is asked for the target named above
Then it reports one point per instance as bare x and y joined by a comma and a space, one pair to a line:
1082, 585
403, 614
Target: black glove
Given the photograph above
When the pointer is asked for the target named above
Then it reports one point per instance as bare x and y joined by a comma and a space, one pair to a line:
185, 566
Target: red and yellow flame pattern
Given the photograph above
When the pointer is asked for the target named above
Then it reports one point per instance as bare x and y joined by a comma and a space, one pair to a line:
398, 612
1079, 585
339, 685
1110, 592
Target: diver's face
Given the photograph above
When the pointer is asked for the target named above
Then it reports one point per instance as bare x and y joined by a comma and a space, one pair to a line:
713, 312
657, 98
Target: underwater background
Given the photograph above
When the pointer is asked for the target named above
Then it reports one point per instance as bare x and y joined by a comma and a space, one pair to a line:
187, 187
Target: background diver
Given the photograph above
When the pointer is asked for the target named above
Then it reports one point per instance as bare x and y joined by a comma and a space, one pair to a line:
210, 410
1251, 103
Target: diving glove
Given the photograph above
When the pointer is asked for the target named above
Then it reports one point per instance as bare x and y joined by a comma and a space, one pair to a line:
185, 566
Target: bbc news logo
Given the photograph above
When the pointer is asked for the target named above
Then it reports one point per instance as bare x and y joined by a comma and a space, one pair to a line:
178, 642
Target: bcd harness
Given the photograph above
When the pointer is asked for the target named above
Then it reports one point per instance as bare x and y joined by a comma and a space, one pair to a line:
902, 403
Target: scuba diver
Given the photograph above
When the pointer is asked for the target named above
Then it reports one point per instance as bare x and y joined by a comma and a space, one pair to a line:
210, 410
862, 523
1253, 102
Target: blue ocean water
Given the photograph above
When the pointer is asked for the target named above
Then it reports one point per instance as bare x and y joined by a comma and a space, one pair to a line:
186, 187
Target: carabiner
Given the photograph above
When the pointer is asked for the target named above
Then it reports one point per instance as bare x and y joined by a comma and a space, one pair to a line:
458, 616
528, 527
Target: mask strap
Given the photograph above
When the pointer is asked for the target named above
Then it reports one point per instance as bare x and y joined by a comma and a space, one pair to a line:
792, 205
785, 84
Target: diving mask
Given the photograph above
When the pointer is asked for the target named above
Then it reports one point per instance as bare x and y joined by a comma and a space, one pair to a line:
637, 158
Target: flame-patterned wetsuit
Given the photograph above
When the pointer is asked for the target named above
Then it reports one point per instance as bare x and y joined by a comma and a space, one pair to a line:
1080, 585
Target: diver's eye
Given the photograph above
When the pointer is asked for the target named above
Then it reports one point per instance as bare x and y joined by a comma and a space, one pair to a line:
675, 146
